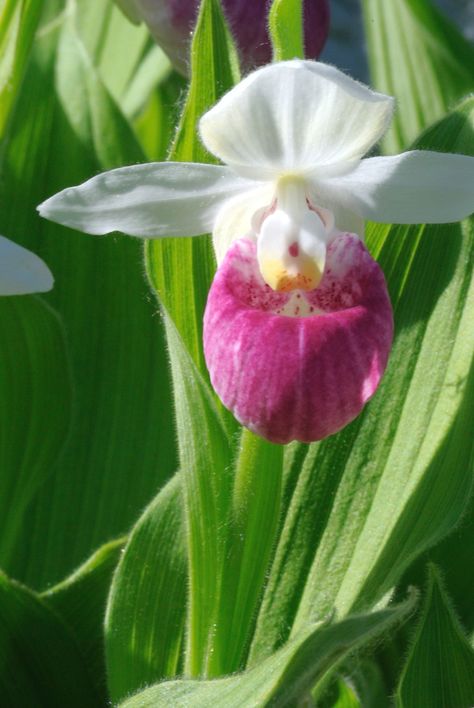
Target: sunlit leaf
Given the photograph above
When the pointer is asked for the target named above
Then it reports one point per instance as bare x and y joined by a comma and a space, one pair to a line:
181, 270
283, 679
18, 23
419, 57
286, 29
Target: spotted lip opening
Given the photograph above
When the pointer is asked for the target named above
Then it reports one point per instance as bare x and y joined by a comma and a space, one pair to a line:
298, 375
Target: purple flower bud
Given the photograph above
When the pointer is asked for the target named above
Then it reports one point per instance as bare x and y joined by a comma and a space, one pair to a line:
171, 23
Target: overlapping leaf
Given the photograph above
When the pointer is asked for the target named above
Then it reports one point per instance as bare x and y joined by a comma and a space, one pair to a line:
80, 602
417, 56
147, 604
439, 671
285, 678
121, 448
41, 664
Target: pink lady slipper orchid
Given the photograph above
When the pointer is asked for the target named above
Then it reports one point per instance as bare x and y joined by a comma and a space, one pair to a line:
21, 271
171, 23
298, 324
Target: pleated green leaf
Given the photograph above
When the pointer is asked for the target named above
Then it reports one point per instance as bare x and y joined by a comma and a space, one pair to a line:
80, 601
397, 480
419, 57
205, 454
251, 527
121, 449
35, 407
283, 679
285, 22
40, 663
18, 23
181, 270
146, 611
439, 670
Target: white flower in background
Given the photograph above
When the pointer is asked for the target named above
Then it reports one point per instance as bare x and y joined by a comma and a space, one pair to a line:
294, 185
21, 271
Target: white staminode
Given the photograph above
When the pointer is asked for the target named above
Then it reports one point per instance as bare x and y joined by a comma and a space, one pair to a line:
21, 271
298, 127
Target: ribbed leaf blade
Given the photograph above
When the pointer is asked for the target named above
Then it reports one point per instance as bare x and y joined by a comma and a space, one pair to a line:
439, 670
181, 270
35, 407
286, 29
146, 609
65, 129
283, 679
419, 57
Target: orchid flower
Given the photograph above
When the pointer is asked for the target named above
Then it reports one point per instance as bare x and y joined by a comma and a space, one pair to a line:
298, 325
171, 22
21, 271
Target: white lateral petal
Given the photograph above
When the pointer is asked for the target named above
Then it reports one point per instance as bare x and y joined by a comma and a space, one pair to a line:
418, 187
149, 200
234, 220
21, 271
295, 116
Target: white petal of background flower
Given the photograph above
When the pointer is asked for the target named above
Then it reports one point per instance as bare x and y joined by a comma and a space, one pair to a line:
295, 116
149, 200
415, 187
21, 271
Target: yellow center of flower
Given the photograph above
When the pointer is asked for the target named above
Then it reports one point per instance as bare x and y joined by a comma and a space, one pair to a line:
291, 243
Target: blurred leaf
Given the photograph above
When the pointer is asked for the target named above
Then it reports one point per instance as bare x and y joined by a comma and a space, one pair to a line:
80, 602
18, 23
181, 270
283, 679
121, 449
41, 666
439, 670
35, 407
146, 611
372, 498
419, 57
286, 29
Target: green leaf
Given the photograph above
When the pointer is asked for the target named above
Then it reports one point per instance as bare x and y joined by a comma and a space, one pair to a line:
65, 129
18, 23
419, 57
80, 602
252, 525
439, 670
146, 610
41, 664
285, 678
371, 499
285, 21
181, 270
205, 456
35, 379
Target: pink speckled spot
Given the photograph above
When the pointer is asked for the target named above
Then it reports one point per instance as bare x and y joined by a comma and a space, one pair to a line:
298, 377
